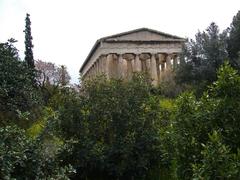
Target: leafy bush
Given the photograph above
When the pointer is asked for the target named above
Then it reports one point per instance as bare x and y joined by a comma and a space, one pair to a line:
189, 131
217, 162
226, 91
18, 93
218, 109
169, 87
22, 158
114, 127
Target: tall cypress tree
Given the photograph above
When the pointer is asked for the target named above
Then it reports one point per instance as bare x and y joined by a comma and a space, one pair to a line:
28, 43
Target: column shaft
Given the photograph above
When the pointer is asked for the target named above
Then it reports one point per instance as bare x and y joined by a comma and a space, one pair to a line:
145, 59
129, 69
137, 64
129, 57
168, 62
158, 67
148, 64
97, 67
120, 66
108, 65
153, 70
114, 66
103, 60
175, 59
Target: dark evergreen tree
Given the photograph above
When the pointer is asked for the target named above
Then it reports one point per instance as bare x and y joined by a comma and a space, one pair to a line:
17, 92
233, 43
64, 76
203, 56
28, 43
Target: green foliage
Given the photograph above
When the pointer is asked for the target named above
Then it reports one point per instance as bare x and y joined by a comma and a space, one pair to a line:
202, 57
22, 158
17, 92
62, 95
233, 43
218, 109
169, 87
115, 127
188, 131
217, 162
228, 83
39, 126
118, 129
226, 116
28, 43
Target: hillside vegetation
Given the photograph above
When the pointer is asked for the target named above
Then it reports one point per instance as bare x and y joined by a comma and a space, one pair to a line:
187, 128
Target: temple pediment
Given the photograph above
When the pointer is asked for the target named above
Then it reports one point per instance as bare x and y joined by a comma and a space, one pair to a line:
142, 34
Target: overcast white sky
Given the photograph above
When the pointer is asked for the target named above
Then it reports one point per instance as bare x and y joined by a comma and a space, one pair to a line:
64, 31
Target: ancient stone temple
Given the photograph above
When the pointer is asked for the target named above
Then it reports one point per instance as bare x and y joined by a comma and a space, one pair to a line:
120, 55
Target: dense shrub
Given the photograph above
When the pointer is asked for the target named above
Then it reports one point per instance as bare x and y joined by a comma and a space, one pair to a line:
169, 87
23, 158
218, 162
18, 92
115, 128
218, 109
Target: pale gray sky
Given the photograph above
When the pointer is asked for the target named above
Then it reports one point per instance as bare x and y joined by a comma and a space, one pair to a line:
64, 31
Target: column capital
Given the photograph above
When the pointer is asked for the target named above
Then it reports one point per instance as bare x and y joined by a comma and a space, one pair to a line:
128, 56
169, 56
102, 56
114, 56
175, 55
144, 56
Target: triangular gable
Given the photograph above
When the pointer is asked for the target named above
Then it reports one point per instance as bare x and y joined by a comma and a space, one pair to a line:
143, 34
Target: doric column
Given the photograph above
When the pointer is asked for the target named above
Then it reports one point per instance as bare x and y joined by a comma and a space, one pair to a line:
137, 67
168, 62
108, 64
153, 70
85, 75
158, 67
129, 57
162, 61
112, 64
97, 67
175, 61
90, 71
120, 66
148, 64
94, 69
162, 65
145, 58
114, 67
103, 60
